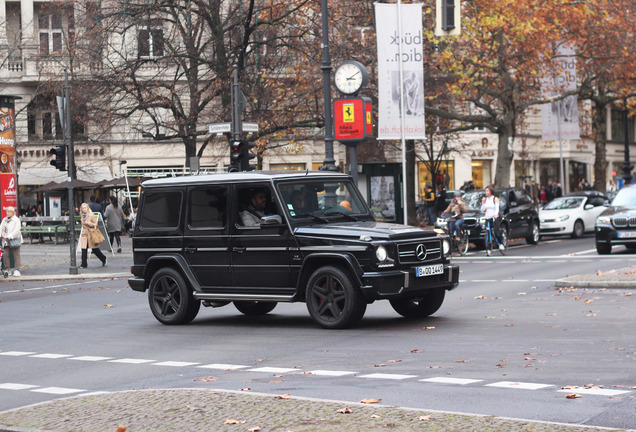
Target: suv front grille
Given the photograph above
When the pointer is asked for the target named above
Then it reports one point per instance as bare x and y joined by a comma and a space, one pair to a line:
470, 222
408, 252
622, 222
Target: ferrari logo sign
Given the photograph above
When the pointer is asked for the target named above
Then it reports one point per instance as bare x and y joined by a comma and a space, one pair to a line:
348, 111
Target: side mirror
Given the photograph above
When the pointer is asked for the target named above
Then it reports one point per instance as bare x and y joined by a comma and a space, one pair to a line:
588, 206
272, 220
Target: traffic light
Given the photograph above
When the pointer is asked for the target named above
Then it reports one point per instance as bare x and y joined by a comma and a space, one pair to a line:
60, 157
246, 146
235, 156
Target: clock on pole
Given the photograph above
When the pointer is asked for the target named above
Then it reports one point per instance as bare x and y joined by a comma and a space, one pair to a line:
350, 77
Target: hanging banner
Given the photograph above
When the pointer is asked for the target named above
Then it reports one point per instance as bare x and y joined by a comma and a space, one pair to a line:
560, 119
8, 187
389, 86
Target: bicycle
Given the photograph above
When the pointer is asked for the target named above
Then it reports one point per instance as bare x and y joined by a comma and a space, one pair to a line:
462, 244
491, 239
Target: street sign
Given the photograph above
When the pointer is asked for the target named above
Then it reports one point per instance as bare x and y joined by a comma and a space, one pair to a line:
219, 128
250, 127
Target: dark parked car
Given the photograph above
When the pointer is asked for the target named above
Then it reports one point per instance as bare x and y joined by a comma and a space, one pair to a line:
520, 218
617, 224
256, 239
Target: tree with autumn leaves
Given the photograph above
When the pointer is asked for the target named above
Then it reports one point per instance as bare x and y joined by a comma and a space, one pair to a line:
495, 67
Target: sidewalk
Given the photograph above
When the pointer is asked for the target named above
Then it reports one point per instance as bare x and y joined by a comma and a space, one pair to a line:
191, 410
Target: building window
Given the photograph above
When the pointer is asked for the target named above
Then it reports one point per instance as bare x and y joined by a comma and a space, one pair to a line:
43, 120
618, 127
52, 23
150, 43
287, 167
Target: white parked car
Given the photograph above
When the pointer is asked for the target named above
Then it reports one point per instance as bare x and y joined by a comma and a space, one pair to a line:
573, 214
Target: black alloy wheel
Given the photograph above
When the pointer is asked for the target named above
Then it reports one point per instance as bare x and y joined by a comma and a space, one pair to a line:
332, 300
171, 301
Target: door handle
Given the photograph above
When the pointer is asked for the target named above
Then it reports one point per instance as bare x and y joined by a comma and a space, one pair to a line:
190, 250
238, 249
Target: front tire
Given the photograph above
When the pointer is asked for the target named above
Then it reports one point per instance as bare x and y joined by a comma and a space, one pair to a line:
603, 249
535, 235
420, 307
253, 308
462, 244
170, 299
578, 230
332, 300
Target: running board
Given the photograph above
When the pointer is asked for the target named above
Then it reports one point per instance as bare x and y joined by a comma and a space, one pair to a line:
243, 297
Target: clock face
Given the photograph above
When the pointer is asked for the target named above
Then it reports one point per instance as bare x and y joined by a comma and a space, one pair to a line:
350, 77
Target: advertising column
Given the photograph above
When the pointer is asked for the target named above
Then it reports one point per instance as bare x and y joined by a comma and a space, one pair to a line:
8, 186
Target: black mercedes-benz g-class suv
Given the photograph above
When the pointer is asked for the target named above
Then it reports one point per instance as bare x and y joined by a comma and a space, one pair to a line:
259, 238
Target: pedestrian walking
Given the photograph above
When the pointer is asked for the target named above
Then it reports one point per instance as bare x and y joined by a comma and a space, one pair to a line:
91, 235
94, 205
115, 222
11, 238
429, 203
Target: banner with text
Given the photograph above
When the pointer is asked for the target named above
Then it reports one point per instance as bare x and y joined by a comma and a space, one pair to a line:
560, 119
389, 86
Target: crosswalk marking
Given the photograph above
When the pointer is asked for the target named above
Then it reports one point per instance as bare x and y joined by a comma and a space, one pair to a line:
273, 370
130, 361
174, 364
222, 366
15, 353
331, 373
448, 380
595, 391
51, 356
519, 385
14, 386
57, 390
90, 358
388, 376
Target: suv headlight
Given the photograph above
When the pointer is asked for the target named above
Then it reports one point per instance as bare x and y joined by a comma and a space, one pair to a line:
603, 220
446, 246
380, 253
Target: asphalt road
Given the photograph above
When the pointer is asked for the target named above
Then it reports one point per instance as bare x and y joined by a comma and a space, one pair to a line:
504, 343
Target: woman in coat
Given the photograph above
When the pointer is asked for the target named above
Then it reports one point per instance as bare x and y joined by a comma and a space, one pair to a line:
9, 232
115, 222
89, 224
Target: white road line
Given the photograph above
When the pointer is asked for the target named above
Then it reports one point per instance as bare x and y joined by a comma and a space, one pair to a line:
519, 385
387, 376
273, 370
51, 356
447, 380
331, 373
175, 364
222, 366
515, 280
484, 280
16, 353
90, 358
131, 361
58, 390
595, 391
14, 386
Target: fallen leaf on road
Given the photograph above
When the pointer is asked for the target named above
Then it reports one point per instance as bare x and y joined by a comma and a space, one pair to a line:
345, 410
379, 365
415, 351
254, 429
276, 382
375, 416
245, 389
500, 366
428, 328
628, 294
425, 418
370, 401
108, 306
462, 361
510, 325
232, 421
522, 293
308, 373
206, 379
569, 387
121, 428
599, 273
573, 396
481, 297
394, 361
592, 386
285, 396
588, 301
490, 317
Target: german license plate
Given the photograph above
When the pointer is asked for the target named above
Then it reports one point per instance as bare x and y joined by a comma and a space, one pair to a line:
429, 270
626, 234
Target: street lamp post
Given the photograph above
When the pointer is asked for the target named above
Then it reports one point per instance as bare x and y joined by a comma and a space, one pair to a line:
627, 168
330, 161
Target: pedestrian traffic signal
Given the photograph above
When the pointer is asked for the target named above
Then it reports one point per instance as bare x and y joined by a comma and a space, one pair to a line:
235, 156
60, 157
246, 146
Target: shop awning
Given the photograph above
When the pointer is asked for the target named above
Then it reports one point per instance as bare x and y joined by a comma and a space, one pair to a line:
43, 175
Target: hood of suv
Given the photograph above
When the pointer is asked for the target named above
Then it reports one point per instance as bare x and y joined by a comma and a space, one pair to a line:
375, 230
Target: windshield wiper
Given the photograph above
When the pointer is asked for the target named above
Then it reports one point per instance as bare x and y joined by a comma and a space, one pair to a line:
317, 218
347, 215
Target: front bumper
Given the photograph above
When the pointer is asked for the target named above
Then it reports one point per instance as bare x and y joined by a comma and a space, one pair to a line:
555, 228
608, 235
398, 284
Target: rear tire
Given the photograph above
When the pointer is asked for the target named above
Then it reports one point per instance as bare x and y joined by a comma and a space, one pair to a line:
253, 308
420, 307
332, 300
170, 299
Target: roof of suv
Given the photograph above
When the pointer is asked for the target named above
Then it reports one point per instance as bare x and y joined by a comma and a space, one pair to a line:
239, 177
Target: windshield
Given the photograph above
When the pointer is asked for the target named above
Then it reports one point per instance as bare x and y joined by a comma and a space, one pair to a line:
564, 203
473, 200
311, 198
625, 197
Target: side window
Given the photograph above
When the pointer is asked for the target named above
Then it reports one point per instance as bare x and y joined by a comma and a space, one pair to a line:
207, 207
254, 202
523, 199
161, 210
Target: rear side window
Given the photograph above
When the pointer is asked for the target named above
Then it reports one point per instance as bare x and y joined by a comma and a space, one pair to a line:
208, 207
161, 210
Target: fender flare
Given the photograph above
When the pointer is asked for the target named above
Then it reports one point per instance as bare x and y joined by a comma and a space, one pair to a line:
176, 261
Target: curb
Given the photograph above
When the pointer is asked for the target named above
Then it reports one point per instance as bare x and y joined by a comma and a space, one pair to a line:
47, 277
568, 282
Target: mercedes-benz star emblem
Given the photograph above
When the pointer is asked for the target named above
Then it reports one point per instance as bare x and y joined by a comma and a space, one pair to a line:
420, 251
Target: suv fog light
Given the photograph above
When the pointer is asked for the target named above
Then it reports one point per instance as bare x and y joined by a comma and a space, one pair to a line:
380, 253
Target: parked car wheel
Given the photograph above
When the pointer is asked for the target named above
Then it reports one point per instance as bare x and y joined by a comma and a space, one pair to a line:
332, 300
420, 307
170, 299
534, 236
578, 230
254, 307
